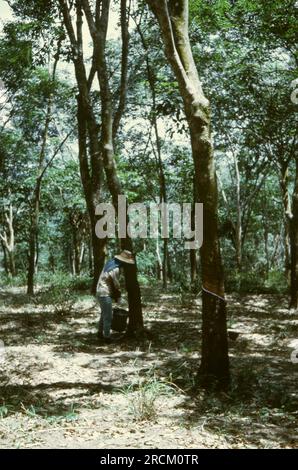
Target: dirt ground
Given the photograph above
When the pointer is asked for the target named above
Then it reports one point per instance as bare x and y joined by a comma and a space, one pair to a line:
59, 388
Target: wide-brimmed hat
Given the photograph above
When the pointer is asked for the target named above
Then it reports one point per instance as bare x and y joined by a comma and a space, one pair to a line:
126, 256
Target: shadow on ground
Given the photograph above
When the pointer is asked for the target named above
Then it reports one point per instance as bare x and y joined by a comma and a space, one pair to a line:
54, 363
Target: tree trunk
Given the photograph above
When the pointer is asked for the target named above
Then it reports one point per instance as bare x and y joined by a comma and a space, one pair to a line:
239, 238
5, 260
8, 243
76, 248
277, 243
91, 168
284, 186
81, 256
169, 266
32, 238
70, 259
193, 253
193, 266
35, 203
109, 126
215, 362
267, 256
11, 263
159, 262
91, 180
294, 245
173, 20
238, 226
157, 153
90, 258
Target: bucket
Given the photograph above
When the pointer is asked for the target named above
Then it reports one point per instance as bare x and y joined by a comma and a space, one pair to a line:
119, 320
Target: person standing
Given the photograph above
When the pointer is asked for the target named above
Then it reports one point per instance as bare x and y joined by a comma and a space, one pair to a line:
108, 289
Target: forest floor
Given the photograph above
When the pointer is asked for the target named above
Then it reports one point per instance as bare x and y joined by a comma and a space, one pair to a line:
59, 388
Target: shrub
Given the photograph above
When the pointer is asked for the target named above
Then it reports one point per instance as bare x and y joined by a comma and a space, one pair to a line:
256, 282
58, 294
16, 281
82, 282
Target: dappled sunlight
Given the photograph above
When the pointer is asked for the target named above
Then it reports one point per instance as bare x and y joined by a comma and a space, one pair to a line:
58, 381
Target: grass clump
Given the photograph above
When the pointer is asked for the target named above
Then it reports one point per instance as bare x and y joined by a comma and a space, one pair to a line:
143, 395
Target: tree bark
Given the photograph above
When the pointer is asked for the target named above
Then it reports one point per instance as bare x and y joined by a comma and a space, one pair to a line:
159, 261
238, 226
8, 242
193, 253
238, 239
76, 252
173, 20
284, 186
193, 266
169, 266
266, 239
5, 261
82, 255
294, 244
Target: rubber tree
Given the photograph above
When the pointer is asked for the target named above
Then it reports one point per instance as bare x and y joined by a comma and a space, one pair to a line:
103, 153
172, 17
294, 244
8, 240
35, 199
164, 264
90, 157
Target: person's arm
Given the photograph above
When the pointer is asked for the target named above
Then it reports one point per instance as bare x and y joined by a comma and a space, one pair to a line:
115, 274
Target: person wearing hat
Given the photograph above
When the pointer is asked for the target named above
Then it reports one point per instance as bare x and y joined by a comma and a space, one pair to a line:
108, 289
